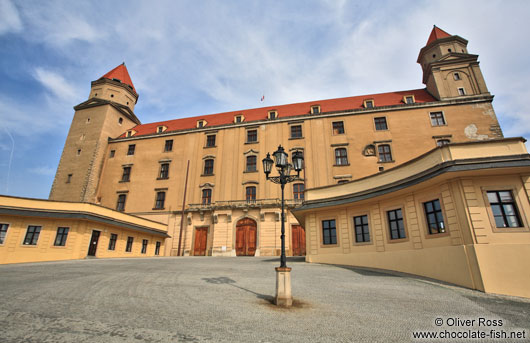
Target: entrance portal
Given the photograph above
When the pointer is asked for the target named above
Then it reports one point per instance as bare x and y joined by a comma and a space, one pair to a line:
93, 243
201, 237
246, 230
298, 234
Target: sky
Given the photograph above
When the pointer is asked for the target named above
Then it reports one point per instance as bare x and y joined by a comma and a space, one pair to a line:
190, 58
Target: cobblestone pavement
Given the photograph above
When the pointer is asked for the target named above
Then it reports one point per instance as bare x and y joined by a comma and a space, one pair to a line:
196, 299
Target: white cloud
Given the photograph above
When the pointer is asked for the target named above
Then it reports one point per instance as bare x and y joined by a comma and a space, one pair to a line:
9, 18
56, 84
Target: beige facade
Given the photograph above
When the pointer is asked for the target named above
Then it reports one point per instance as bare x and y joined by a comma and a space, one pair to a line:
141, 169
473, 242
34, 230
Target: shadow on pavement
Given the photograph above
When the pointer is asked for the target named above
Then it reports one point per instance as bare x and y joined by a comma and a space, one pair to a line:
289, 259
228, 281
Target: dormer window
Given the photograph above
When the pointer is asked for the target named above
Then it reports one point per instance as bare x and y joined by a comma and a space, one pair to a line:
315, 109
456, 76
130, 133
117, 80
369, 103
201, 123
161, 129
409, 99
239, 118
273, 115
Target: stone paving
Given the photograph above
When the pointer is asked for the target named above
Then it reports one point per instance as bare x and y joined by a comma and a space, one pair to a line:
228, 299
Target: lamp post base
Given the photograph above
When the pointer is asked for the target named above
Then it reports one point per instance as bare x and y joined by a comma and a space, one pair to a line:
283, 296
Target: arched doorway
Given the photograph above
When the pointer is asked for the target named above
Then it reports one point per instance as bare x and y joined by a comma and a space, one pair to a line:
246, 232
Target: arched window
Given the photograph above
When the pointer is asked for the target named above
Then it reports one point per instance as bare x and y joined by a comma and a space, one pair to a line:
384, 153
208, 167
341, 157
206, 196
251, 194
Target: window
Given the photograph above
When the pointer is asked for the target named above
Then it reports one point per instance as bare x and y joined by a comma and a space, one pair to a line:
273, 115
120, 204
3, 232
395, 223
296, 131
201, 124
69, 178
144, 246
62, 234
125, 177
206, 196
409, 99
112, 241
238, 119
32, 235
112, 153
437, 119
384, 153
251, 163
338, 127
168, 146
78, 152
208, 167
435, 219
164, 171
157, 249
442, 142
210, 141
129, 134
130, 151
160, 199
362, 232
341, 157
252, 136
120, 121
251, 194
130, 240
298, 191
380, 123
461, 91
369, 104
456, 76
329, 232
315, 109
342, 181
504, 209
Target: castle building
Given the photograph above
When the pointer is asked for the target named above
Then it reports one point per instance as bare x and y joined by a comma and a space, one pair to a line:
222, 204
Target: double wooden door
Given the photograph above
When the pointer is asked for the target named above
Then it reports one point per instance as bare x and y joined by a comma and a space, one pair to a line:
201, 238
246, 233
298, 236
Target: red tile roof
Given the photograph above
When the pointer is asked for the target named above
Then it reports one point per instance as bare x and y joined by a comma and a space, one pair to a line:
120, 73
291, 110
436, 34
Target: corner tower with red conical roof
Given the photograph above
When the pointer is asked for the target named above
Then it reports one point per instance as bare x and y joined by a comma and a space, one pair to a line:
108, 112
449, 71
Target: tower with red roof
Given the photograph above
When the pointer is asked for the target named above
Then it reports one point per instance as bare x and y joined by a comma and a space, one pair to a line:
449, 70
107, 113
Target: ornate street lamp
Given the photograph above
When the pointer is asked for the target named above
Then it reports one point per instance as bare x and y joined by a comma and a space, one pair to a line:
283, 273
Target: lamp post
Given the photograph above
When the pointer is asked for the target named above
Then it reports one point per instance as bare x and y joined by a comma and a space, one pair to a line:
283, 273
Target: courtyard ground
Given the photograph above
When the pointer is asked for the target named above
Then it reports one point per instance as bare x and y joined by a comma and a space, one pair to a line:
196, 299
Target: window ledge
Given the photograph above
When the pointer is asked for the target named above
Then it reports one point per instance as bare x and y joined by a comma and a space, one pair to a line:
209, 147
168, 151
329, 245
252, 142
162, 178
381, 130
362, 243
398, 240
292, 138
122, 181
207, 174
341, 165
392, 161
158, 209
250, 171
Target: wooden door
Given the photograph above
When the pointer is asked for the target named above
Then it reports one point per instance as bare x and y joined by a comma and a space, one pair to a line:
201, 237
93, 243
298, 237
246, 237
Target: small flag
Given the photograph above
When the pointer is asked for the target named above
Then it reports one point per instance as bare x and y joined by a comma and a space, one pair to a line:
263, 98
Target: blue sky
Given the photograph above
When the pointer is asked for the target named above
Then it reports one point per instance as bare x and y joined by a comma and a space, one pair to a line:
188, 58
